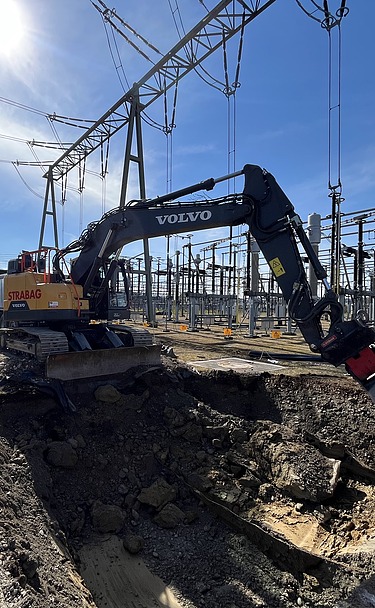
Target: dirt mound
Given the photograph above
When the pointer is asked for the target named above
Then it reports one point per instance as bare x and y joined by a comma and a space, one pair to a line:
235, 490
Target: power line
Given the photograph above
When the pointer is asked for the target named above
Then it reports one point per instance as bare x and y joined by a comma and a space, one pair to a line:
26, 184
32, 142
22, 106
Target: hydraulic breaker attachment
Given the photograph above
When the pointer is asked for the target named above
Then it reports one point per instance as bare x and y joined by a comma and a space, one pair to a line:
353, 344
362, 367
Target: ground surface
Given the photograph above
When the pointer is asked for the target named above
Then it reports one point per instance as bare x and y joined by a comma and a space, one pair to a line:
185, 487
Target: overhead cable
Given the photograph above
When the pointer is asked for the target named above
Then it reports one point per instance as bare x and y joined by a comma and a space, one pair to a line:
109, 16
24, 181
178, 12
22, 106
118, 66
32, 142
113, 13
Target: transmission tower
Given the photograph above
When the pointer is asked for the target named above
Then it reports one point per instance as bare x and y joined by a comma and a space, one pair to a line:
217, 27
211, 33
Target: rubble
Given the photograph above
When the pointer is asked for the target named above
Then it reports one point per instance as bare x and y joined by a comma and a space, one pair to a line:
236, 490
292, 465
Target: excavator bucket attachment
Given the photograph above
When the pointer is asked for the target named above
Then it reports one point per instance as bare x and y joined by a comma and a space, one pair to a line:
104, 362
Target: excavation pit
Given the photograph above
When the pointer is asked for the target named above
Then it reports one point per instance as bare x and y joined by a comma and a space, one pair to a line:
235, 489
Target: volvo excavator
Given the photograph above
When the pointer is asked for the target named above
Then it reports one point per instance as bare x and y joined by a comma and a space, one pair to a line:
65, 314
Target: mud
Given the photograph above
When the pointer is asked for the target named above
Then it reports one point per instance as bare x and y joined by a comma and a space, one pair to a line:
177, 487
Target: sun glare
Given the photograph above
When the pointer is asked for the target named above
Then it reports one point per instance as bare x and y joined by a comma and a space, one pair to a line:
12, 29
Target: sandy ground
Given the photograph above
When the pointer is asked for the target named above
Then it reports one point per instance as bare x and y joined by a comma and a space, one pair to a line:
117, 579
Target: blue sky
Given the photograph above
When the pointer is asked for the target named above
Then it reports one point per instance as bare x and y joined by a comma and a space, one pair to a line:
62, 64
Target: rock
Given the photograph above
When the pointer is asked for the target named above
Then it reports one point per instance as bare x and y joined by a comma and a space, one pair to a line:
29, 565
201, 456
169, 517
293, 466
173, 417
77, 523
130, 500
108, 394
191, 516
200, 482
80, 441
227, 497
266, 492
216, 432
158, 494
107, 518
168, 351
239, 436
61, 454
193, 433
136, 402
249, 481
133, 543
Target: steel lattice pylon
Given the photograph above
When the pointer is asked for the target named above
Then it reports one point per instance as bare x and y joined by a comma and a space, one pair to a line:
211, 33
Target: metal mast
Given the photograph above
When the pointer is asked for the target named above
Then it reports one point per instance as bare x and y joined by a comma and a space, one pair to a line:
217, 27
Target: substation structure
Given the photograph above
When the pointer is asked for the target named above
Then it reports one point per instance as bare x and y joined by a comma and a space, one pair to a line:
227, 282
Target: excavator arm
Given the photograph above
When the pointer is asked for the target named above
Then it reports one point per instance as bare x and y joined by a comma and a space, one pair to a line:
276, 227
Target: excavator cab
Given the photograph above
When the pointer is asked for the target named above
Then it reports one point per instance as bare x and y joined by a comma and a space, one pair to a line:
119, 294
39, 260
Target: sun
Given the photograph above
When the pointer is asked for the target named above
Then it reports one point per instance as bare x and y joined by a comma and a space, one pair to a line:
12, 29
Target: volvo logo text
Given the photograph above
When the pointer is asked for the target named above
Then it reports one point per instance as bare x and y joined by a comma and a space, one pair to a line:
189, 216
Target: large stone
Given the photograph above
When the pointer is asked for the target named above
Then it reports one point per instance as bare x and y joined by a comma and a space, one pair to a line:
133, 543
249, 481
239, 435
200, 482
61, 454
107, 393
107, 518
292, 465
169, 517
228, 496
158, 494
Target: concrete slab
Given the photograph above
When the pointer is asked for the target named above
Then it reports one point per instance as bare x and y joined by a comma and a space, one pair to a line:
237, 365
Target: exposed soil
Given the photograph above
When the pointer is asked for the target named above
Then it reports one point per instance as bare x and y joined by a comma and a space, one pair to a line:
183, 488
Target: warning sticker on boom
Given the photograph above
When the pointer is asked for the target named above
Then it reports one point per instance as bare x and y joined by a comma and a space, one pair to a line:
277, 267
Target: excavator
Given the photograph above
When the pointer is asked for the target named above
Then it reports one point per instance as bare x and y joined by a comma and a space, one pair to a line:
65, 314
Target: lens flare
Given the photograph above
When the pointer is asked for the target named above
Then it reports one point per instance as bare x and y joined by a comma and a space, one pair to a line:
12, 29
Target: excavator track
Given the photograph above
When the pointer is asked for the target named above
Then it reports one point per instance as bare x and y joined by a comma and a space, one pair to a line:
141, 337
39, 342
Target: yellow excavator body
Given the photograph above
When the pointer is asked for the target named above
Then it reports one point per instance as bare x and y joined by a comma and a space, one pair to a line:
32, 293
